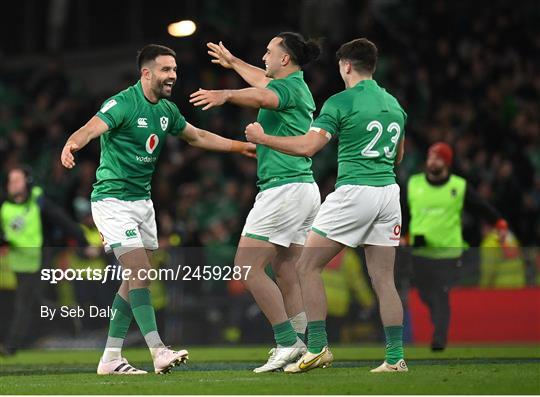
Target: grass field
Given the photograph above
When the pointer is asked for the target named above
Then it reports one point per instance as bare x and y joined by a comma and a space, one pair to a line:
227, 370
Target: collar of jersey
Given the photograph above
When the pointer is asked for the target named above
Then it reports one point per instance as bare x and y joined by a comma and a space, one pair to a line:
298, 73
138, 87
365, 82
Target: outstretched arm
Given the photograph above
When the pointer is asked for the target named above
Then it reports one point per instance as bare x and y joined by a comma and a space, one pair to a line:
207, 140
303, 145
250, 97
80, 138
254, 76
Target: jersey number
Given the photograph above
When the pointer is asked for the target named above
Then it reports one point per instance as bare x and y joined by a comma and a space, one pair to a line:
388, 152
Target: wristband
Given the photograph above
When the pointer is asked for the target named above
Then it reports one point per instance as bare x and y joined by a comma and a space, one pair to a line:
237, 146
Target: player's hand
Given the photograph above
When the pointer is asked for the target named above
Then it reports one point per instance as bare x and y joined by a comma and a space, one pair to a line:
208, 98
221, 54
255, 133
250, 150
67, 158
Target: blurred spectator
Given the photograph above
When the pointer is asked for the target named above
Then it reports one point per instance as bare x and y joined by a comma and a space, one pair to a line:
27, 221
502, 264
346, 287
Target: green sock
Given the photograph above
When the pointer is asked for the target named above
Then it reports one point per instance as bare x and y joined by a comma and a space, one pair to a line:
394, 343
119, 325
284, 334
317, 338
143, 311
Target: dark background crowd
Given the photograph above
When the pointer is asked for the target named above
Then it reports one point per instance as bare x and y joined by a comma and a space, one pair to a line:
467, 73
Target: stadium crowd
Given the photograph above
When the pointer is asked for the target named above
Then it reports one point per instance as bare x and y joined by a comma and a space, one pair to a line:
470, 79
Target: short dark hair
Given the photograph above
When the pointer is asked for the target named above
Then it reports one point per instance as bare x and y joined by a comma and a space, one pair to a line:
150, 52
25, 169
27, 172
362, 53
301, 51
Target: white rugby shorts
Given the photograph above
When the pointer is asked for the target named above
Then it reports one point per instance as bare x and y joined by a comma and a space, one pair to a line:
125, 225
283, 214
355, 215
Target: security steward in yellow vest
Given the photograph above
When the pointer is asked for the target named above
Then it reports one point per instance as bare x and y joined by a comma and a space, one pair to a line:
26, 219
434, 204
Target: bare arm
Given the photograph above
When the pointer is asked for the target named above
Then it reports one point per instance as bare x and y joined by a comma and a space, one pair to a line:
249, 97
303, 145
401, 151
254, 76
207, 140
80, 138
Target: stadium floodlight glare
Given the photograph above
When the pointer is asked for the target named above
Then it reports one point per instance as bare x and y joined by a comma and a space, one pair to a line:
182, 28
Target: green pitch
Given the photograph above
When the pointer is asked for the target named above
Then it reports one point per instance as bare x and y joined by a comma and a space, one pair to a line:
211, 370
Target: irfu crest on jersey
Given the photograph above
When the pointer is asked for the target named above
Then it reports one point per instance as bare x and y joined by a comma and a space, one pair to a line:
164, 122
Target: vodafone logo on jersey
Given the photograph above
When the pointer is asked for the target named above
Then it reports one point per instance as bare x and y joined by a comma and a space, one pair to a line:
152, 143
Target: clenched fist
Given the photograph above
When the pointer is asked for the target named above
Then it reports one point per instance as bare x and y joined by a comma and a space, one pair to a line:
255, 133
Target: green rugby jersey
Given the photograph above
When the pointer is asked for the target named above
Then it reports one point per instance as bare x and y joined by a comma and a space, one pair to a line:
369, 122
293, 116
131, 146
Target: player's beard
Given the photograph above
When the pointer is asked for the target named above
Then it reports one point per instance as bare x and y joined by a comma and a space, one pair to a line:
269, 72
162, 91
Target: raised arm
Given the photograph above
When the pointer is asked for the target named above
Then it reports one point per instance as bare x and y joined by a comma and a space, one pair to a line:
302, 145
80, 138
207, 140
254, 76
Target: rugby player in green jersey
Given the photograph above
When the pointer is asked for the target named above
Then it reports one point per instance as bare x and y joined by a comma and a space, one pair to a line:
133, 126
364, 209
276, 228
